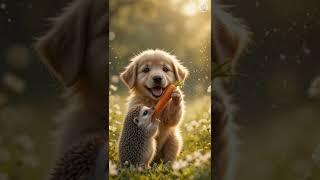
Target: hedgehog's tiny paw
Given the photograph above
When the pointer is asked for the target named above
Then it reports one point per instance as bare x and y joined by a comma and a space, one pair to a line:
176, 97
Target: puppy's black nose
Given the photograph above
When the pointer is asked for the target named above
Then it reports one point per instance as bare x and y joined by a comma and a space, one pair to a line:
157, 79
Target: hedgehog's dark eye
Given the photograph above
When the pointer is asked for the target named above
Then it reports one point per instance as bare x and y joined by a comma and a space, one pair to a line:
165, 69
146, 69
145, 113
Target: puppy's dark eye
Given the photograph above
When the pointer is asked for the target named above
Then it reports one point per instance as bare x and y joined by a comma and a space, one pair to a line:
165, 69
145, 113
146, 69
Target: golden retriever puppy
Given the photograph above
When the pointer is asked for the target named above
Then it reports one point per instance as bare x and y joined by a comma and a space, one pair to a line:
75, 51
147, 75
229, 38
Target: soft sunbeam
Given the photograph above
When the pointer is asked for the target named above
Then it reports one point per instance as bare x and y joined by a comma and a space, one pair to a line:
190, 8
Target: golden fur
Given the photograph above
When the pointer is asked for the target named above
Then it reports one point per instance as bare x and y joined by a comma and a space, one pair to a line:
169, 68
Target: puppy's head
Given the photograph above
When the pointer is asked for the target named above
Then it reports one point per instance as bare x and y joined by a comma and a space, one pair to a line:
150, 72
74, 48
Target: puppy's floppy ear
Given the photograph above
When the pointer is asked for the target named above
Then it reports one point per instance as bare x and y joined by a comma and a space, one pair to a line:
63, 47
129, 75
180, 71
230, 37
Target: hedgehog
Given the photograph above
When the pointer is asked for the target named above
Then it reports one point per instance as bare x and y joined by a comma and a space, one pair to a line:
137, 144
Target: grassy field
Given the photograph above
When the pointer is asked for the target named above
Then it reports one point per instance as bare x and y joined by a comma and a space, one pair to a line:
194, 161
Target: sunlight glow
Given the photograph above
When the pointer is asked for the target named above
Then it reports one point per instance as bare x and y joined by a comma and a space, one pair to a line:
190, 8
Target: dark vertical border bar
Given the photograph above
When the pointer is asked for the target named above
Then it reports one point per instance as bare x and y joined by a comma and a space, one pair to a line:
107, 93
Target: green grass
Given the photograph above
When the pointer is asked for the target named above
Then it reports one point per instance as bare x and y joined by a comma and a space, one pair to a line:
194, 162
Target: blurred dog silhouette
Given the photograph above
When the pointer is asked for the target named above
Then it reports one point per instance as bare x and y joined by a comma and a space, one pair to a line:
75, 51
229, 38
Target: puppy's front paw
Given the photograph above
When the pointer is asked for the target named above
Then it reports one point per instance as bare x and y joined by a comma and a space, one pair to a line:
176, 97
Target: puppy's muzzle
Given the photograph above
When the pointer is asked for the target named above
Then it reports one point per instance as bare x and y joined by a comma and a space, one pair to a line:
157, 80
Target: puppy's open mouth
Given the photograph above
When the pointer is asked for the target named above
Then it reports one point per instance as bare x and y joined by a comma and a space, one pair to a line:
156, 91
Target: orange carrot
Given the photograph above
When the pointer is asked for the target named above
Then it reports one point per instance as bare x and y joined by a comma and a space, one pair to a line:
164, 99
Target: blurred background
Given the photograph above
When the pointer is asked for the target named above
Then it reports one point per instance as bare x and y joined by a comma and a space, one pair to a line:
279, 100
180, 27
29, 96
